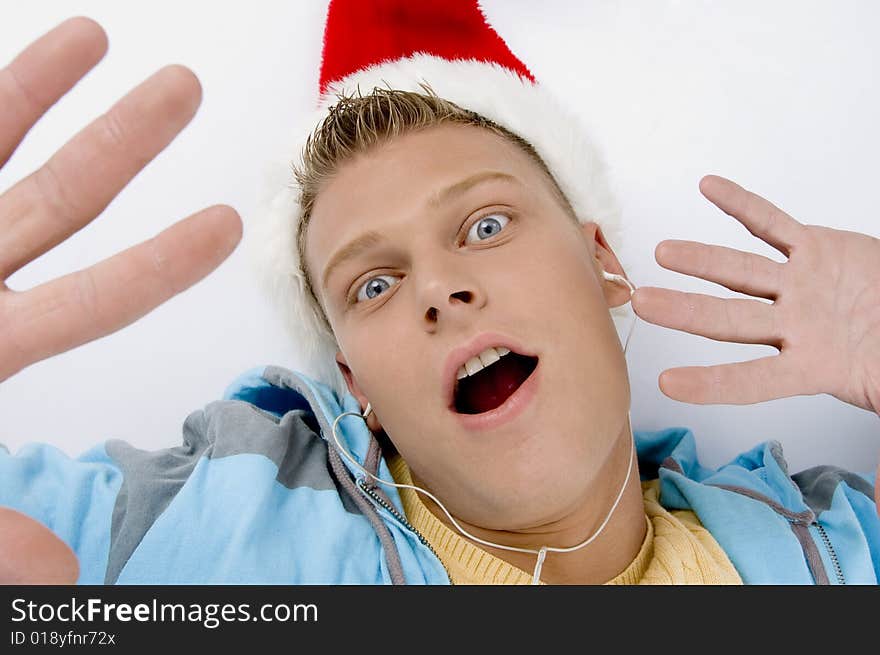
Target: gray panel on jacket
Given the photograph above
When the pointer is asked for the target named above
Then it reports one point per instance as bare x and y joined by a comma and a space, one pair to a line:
818, 484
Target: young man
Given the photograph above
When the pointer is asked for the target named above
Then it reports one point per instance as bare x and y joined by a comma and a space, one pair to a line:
426, 243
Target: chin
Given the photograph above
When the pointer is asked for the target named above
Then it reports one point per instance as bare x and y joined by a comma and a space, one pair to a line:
533, 489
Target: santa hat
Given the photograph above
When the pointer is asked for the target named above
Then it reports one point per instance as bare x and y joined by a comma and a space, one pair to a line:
397, 44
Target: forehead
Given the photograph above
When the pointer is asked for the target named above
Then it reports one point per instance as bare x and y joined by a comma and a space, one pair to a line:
395, 181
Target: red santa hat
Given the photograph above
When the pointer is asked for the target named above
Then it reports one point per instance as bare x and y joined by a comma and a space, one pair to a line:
397, 44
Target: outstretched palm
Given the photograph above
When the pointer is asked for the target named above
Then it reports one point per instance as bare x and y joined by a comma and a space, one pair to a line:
62, 197
74, 187
824, 318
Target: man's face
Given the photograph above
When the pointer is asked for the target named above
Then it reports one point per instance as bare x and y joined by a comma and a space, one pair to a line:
501, 257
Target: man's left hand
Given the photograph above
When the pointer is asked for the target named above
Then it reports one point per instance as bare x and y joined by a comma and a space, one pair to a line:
824, 318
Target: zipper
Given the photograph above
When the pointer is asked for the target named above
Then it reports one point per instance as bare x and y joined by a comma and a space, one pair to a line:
838, 571
794, 518
403, 520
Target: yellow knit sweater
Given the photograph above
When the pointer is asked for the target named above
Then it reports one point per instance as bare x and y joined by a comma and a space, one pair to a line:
677, 548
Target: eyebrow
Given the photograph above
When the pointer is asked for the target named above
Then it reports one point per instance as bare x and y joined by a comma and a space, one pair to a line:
372, 238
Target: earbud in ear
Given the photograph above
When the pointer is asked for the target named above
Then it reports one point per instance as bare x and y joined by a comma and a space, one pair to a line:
614, 277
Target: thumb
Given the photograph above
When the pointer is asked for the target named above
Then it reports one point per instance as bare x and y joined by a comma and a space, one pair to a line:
30, 553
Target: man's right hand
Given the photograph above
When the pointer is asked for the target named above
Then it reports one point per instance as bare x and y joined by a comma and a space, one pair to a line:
75, 185
62, 197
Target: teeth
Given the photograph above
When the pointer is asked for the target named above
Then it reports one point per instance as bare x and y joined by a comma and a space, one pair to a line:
489, 356
481, 361
473, 365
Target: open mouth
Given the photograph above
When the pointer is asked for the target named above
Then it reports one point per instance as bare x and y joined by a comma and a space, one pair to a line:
489, 387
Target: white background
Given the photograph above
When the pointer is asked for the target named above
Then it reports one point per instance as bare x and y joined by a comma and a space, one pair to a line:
781, 97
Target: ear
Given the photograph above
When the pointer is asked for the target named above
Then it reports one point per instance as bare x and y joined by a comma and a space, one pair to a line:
616, 293
372, 421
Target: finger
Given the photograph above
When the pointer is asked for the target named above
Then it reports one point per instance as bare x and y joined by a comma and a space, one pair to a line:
743, 272
760, 217
44, 71
738, 383
90, 303
723, 319
30, 553
81, 179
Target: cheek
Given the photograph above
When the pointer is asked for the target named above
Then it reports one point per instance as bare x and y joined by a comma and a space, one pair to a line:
555, 282
392, 371
586, 353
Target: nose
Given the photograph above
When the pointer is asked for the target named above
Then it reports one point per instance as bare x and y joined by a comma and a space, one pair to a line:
450, 298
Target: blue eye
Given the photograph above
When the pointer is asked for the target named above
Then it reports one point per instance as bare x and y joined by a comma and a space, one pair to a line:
373, 287
484, 228
488, 226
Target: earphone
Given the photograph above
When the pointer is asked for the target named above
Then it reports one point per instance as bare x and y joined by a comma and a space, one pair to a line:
614, 277
542, 552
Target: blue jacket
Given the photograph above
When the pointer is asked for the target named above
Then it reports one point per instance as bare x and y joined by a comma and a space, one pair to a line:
257, 494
